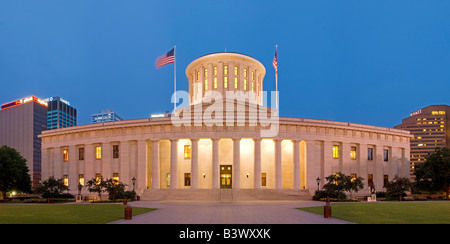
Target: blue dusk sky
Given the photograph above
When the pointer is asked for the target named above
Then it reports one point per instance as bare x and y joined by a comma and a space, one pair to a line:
370, 62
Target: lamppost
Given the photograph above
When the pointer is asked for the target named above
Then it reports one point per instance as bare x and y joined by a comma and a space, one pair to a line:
318, 182
134, 184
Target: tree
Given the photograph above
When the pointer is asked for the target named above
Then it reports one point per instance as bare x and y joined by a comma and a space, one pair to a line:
434, 174
338, 183
14, 173
96, 185
114, 188
397, 187
52, 187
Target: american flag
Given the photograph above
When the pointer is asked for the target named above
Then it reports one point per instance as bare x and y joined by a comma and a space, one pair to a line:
275, 62
167, 58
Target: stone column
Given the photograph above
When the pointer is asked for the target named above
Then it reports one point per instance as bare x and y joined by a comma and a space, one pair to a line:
58, 162
73, 169
89, 157
45, 169
125, 163
278, 172
296, 174
378, 167
257, 166
215, 163
156, 184
106, 162
236, 162
194, 163
174, 163
141, 174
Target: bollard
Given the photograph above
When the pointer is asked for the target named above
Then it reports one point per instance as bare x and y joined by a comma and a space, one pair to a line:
128, 213
327, 209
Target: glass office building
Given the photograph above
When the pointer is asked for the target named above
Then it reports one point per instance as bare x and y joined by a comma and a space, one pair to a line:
60, 114
21, 122
105, 116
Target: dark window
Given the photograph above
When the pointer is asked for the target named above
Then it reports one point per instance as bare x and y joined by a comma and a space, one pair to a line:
370, 153
370, 180
187, 179
263, 179
385, 180
81, 153
115, 151
386, 155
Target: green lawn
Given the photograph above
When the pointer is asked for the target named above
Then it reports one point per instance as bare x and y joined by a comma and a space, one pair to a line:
64, 213
430, 212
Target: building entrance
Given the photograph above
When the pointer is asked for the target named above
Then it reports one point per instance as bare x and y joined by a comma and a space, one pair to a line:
226, 172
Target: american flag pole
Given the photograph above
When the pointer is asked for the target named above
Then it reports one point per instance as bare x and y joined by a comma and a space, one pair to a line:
175, 76
276, 79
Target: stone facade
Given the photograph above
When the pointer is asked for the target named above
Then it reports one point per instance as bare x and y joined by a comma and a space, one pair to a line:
162, 153
150, 149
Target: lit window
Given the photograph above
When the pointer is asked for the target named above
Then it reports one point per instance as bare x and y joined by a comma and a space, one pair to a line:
245, 72
66, 180
206, 84
98, 152
215, 82
215, 70
116, 178
253, 86
98, 178
225, 70
235, 70
353, 153
235, 82
441, 112
245, 84
335, 151
205, 72
253, 75
434, 113
198, 75
187, 151
263, 179
225, 82
81, 179
66, 155
336, 175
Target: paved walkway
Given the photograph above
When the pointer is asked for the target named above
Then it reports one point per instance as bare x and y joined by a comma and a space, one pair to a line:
245, 212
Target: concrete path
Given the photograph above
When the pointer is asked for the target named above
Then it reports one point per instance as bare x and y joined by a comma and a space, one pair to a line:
245, 212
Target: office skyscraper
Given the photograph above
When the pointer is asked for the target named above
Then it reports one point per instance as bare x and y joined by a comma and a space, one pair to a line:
105, 116
428, 128
60, 114
21, 122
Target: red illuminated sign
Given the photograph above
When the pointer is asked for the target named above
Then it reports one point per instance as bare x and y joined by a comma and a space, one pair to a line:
23, 101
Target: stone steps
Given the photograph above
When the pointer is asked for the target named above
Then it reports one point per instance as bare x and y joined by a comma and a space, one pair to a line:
224, 194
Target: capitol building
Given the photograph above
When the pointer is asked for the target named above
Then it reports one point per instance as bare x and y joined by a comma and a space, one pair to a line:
224, 142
